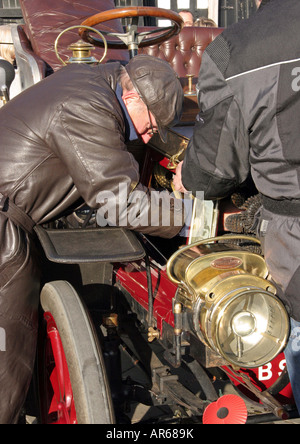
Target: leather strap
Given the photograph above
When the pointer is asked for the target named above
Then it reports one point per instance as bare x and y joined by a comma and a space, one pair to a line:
15, 214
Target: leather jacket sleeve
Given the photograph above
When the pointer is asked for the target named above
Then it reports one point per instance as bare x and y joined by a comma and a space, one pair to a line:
91, 145
89, 142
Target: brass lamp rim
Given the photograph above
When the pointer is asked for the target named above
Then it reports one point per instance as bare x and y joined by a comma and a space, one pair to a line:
208, 330
195, 244
282, 341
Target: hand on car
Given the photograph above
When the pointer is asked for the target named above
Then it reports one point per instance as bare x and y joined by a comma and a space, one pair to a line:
178, 186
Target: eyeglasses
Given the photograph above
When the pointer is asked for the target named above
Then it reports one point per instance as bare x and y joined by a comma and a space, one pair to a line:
152, 130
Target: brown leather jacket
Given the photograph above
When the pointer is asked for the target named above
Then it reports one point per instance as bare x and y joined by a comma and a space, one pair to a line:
63, 140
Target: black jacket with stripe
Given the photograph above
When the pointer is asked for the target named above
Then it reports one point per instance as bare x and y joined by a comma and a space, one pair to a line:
249, 98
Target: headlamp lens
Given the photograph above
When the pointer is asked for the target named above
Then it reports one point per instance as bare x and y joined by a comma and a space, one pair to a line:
250, 328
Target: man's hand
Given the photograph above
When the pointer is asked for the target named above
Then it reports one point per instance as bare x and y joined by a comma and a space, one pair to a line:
177, 180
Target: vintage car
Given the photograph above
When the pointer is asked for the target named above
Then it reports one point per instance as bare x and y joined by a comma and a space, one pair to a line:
192, 316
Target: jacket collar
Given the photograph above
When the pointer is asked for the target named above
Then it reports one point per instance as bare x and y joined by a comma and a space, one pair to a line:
130, 133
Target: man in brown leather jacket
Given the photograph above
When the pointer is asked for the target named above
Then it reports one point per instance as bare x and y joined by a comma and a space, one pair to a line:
61, 141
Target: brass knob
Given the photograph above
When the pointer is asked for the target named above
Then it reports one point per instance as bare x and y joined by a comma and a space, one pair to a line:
82, 53
81, 50
190, 84
153, 333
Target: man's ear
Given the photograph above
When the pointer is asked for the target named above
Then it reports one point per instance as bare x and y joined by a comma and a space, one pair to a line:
130, 97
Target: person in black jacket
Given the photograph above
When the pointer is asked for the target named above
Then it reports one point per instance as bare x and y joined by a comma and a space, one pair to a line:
249, 122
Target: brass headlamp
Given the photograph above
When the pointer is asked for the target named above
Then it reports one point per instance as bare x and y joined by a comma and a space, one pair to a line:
232, 307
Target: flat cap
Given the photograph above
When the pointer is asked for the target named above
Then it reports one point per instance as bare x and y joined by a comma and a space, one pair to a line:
159, 87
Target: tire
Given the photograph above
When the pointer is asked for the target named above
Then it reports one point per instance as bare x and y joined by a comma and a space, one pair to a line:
86, 368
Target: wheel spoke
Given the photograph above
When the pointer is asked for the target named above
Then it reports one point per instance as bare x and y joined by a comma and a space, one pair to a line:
62, 401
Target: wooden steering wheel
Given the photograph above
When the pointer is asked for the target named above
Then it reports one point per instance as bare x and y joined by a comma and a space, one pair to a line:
132, 39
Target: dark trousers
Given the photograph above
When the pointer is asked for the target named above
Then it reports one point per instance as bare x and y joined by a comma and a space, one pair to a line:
19, 298
280, 237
